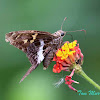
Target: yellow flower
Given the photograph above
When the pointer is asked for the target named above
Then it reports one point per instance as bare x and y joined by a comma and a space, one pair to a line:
71, 52
65, 51
59, 53
72, 44
64, 57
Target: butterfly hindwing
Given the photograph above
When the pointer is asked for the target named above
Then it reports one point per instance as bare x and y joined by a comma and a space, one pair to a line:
35, 55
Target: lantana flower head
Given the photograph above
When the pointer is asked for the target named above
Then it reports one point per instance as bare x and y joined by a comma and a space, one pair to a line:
70, 58
68, 55
66, 58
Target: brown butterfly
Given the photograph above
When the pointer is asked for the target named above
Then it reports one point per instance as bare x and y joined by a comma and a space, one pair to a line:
38, 45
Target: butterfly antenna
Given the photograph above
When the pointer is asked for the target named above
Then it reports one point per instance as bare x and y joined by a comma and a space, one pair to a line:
71, 36
78, 31
63, 22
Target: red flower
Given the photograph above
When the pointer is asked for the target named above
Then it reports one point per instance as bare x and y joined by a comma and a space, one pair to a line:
69, 81
57, 68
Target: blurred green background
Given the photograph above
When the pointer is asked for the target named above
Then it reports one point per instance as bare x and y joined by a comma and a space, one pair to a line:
47, 15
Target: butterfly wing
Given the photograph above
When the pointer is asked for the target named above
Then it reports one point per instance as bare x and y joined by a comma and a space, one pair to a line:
22, 39
36, 44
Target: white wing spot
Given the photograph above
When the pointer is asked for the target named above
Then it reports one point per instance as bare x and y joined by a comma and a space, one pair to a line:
40, 52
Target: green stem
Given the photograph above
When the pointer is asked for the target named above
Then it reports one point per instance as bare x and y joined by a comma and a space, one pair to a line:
82, 73
79, 71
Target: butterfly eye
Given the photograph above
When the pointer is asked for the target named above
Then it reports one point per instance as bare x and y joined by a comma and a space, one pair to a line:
62, 34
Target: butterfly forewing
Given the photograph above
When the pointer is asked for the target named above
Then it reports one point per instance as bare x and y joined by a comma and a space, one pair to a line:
36, 44
22, 39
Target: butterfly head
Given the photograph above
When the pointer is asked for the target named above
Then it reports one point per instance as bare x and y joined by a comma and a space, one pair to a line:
60, 33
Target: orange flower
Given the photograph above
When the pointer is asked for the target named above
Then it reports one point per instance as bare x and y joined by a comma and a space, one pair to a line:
57, 68
68, 56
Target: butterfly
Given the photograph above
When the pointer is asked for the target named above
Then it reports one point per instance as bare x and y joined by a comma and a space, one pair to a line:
38, 45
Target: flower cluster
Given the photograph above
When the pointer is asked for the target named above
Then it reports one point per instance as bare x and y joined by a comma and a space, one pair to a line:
66, 58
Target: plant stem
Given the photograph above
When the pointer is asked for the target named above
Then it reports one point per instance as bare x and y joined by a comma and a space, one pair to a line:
82, 73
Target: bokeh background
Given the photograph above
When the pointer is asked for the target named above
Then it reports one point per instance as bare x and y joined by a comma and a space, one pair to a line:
47, 15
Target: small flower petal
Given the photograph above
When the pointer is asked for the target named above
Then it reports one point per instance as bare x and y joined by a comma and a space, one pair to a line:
70, 86
57, 68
